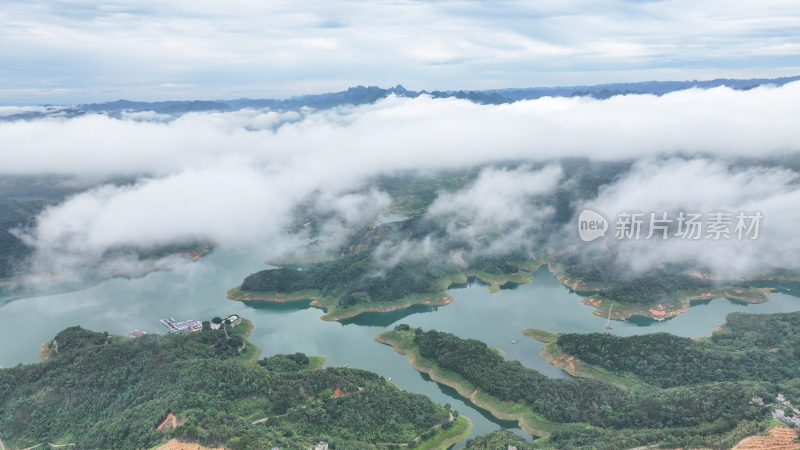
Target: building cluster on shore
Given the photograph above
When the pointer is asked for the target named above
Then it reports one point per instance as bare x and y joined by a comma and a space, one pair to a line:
231, 320
196, 325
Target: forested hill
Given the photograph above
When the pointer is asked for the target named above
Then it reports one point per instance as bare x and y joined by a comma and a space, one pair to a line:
748, 347
584, 412
101, 391
371, 268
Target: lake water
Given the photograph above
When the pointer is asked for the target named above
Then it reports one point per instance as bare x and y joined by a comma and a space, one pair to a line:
197, 290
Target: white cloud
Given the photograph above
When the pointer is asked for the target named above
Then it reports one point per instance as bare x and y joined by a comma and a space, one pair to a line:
707, 186
501, 209
235, 177
399, 133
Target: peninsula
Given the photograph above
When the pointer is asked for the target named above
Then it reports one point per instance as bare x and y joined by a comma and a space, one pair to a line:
643, 390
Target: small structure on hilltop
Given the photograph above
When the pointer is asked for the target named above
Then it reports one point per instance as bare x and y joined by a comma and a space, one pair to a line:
234, 320
781, 415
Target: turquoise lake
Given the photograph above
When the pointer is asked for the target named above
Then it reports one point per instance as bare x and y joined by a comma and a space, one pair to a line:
197, 290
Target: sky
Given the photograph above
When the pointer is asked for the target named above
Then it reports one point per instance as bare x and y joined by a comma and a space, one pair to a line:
66, 52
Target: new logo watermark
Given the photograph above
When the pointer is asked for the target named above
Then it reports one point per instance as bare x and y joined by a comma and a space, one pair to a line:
717, 225
591, 225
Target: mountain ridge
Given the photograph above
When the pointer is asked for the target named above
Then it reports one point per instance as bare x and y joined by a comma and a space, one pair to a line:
360, 95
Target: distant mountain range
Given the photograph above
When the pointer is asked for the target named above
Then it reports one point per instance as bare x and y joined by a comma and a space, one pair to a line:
360, 95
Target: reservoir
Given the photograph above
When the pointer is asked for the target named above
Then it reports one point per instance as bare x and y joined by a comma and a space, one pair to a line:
196, 290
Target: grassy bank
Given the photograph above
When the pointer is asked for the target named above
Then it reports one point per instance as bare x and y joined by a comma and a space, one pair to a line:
540, 335
334, 312
403, 343
272, 297
251, 351
446, 438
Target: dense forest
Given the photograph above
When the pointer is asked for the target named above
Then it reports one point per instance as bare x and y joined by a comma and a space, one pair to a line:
691, 415
101, 391
748, 347
650, 287
359, 275
353, 279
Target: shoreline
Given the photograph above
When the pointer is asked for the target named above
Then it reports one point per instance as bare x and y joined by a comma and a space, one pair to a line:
675, 307
251, 352
522, 414
576, 367
444, 439
590, 293
332, 311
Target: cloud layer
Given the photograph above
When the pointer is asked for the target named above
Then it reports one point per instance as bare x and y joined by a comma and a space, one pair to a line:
236, 178
501, 210
402, 133
706, 187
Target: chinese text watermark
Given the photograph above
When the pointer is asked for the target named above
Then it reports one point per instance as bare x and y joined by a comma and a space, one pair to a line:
717, 225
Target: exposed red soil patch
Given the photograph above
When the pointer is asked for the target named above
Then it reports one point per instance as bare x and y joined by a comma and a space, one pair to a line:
170, 422
338, 392
592, 301
569, 361
779, 438
658, 311
174, 444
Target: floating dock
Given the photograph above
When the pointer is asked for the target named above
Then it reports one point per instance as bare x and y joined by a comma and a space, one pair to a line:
186, 325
